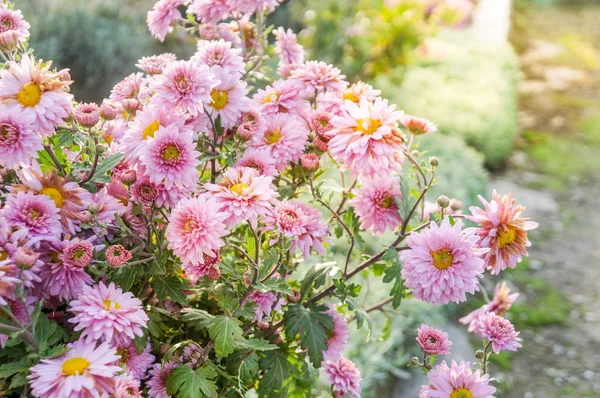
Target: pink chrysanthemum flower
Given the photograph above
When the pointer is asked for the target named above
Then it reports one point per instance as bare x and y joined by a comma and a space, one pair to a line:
243, 195
127, 387
287, 48
282, 96
13, 28
136, 364
285, 136
220, 53
144, 191
360, 90
183, 84
375, 204
155, 64
418, 125
433, 341
117, 255
343, 376
34, 91
300, 222
209, 268
84, 371
442, 265
499, 331
127, 88
8, 285
105, 312
501, 303
19, 142
108, 206
170, 158
36, 213
195, 228
251, 6
503, 230
157, 383
210, 11
338, 336
228, 98
163, 16
77, 254
259, 160
314, 76
366, 137
457, 381
266, 302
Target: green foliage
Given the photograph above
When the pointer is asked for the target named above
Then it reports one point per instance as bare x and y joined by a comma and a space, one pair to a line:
186, 382
394, 274
170, 287
225, 331
312, 325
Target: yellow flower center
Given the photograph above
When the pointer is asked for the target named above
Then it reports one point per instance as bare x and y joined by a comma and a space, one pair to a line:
171, 152
271, 97
349, 95
151, 129
108, 139
189, 225
29, 95
461, 393
385, 203
108, 304
238, 188
368, 126
75, 366
3, 255
55, 195
273, 136
34, 214
506, 236
220, 98
442, 258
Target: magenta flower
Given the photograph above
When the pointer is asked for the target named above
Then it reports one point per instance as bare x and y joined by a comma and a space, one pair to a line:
117, 255
209, 268
433, 341
13, 28
77, 254
220, 53
501, 303
266, 302
375, 204
157, 383
338, 337
19, 141
251, 6
228, 98
499, 331
442, 265
136, 364
343, 376
314, 76
105, 312
36, 213
84, 371
456, 381
163, 16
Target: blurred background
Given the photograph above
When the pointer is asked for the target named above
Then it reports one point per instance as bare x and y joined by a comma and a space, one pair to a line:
515, 90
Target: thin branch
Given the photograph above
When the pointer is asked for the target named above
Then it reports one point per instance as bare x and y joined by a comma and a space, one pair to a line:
89, 176
54, 159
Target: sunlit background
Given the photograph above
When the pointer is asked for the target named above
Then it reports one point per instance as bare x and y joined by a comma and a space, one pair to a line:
518, 111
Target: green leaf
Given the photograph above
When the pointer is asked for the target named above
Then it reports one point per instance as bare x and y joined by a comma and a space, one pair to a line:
19, 380
312, 324
317, 276
9, 369
256, 345
226, 332
406, 203
279, 285
64, 138
267, 265
196, 317
394, 273
127, 275
47, 333
277, 369
45, 161
186, 382
171, 287
57, 351
250, 244
248, 368
361, 315
140, 342
107, 165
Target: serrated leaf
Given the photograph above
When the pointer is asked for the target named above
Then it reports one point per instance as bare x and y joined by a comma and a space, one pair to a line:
278, 285
47, 333
256, 345
311, 324
226, 332
170, 287
267, 264
57, 351
394, 273
141, 342
317, 276
361, 315
196, 317
107, 165
19, 380
277, 370
406, 203
9, 369
186, 382
250, 244
127, 275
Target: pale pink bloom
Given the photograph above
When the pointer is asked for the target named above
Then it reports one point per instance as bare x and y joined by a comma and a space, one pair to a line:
284, 135
501, 303
127, 387
195, 228
13, 28
315, 76
84, 371
8, 285
144, 191
36, 92
220, 53
503, 230
359, 90
245, 131
208, 31
338, 336
170, 158
87, 114
343, 376
458, 381
35, 213
77, 254
260, 160
285, 70
243, 195
183, 84
442, 264
155, 64
310, 161
108, 206
287, 48
128, 88
433, 341
331, 103
106, 313
163, 16
117, 255
500, 331
198, 123
228, 98
136, 364
193, 272
108, 111
375, 204
19, 141
251, 6
266, 302
282, 96
367, 139
300, 222
210, 11
157, 383
418, 125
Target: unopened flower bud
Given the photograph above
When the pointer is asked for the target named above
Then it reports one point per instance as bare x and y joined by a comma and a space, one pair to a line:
93, 208
455, 204
128, 177
26, 258
87, 114
208, 31
339, 394
108, 111
321, 144
443, 202
130, 105
245, 131
274, 235
101, 148
479, 354
414, 361
85, 216
213, 274
295, 297
262, 325
434, 161
310, 161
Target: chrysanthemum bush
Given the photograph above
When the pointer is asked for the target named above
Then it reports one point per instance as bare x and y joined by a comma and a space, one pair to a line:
152, 245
